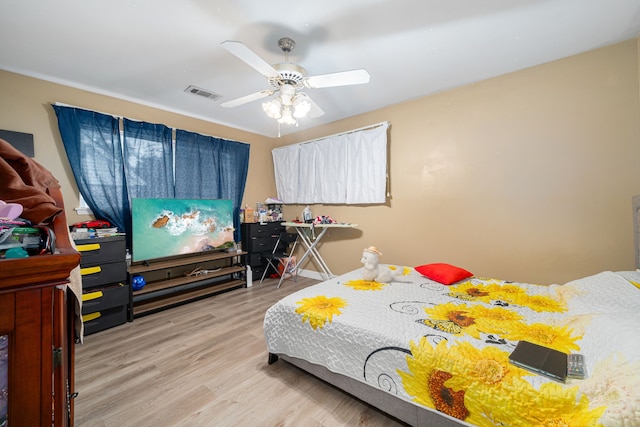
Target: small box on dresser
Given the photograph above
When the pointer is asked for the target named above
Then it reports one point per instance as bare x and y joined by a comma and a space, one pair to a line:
106, 298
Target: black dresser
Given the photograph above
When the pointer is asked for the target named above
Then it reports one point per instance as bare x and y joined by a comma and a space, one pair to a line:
105, 293
258, 241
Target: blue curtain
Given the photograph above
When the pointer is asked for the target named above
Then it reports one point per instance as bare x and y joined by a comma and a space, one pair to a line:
92, 143
148, 154
109, 173
211, 168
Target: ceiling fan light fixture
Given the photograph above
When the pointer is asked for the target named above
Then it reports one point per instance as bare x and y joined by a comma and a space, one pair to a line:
301, 105
273, 108
287, 117
286, 79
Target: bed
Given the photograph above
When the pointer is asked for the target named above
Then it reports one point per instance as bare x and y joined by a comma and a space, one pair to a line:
436, 355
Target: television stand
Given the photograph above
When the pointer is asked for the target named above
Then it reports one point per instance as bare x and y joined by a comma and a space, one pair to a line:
181, 279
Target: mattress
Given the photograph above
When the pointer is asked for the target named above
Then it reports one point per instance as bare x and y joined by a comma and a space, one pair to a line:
446, 348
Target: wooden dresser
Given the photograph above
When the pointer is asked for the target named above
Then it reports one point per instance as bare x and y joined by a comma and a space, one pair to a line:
37, 316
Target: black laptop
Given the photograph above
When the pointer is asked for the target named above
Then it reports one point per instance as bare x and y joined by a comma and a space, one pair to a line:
541, 360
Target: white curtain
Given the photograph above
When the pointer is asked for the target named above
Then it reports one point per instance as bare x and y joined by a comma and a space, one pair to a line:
305, 175
350, 168
286, 164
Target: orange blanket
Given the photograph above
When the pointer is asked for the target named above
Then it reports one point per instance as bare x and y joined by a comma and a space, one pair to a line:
25, 181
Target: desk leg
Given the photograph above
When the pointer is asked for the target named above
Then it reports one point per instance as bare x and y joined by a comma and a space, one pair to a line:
313, 251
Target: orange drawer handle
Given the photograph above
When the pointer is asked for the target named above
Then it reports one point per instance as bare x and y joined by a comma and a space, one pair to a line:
88, 247
91, 296
90, 270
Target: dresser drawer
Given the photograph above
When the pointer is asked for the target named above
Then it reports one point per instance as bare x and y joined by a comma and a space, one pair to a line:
101, 320
103, 274
100, 299
262, 245
259, 231
254, 259
258, 240
268, 229
101, 250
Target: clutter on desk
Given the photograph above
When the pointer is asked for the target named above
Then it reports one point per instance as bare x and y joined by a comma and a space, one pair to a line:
93, 223
19, 238
274, 209
261, 211
324, 219
93, 228
246, 214
10, 211
17, 252
269, 211
307, 217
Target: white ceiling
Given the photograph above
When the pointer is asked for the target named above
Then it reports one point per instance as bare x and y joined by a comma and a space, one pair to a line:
150, 51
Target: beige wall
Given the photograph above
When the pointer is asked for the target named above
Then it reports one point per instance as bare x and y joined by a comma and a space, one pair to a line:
527, 177
25, 106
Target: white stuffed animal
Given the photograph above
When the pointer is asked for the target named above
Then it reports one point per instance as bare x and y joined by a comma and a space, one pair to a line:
372, 270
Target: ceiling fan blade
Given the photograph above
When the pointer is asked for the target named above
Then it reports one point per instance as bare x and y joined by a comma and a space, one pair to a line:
247, 98
343, 78
250, 57
315, 111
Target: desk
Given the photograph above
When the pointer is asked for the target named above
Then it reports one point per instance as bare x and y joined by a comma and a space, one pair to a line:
307, 233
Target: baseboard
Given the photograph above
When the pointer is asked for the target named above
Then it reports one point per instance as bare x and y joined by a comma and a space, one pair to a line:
310, 274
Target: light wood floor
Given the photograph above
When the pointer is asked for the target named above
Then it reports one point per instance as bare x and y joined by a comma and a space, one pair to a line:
205, 364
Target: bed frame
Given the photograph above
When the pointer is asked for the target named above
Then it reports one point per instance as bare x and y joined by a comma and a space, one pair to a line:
398, 408
394, 406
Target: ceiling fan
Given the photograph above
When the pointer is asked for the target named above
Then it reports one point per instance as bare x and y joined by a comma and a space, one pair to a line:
286, 79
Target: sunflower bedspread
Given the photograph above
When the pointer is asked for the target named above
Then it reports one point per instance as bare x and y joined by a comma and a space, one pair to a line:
446, 348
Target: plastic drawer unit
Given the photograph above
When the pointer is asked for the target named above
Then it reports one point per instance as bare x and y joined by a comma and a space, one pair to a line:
258, 241
106, 298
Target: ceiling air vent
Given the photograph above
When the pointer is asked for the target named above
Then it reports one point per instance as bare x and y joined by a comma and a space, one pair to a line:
203, 92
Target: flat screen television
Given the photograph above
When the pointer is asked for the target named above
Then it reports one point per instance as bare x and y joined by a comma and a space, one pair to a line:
169, 227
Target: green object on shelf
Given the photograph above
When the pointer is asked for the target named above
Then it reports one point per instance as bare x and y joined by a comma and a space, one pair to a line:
28, 236
16, 253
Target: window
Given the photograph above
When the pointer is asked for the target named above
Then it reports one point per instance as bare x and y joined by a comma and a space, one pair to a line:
349, 168
112, 166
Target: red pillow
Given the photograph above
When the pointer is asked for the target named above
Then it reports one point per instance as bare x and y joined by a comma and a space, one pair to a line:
443, 273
